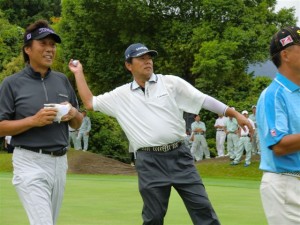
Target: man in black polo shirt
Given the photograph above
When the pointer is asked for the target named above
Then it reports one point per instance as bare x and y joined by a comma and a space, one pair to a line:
39, 137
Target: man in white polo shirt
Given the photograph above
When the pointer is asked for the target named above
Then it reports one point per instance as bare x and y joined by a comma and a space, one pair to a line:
150, 111
220, 134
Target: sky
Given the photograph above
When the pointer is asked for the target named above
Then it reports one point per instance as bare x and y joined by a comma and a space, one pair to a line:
289, 4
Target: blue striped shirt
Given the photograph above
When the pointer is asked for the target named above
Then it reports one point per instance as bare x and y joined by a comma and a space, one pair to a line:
278, 115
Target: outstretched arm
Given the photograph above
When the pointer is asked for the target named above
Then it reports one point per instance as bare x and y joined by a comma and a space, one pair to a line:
82, 86
218, 107
242, 120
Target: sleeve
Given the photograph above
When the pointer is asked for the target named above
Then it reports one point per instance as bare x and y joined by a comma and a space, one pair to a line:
191, 100
106, 103
7, 109
192, 127
272, 116
187, 97
214, 105
216, 123
204, 127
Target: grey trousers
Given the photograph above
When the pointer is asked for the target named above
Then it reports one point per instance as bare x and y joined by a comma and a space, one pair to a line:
158, 172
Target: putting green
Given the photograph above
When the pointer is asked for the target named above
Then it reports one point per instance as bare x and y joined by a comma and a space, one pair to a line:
115, 200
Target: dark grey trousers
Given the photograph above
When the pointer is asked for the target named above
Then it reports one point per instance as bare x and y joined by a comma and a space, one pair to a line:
158, 172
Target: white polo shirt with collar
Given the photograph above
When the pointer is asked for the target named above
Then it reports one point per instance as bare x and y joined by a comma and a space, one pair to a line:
153, 117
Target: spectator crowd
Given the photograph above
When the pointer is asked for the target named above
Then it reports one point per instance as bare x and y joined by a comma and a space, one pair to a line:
231, 140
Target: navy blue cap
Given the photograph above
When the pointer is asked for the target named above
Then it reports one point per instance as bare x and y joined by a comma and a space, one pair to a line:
41, 33
138, 49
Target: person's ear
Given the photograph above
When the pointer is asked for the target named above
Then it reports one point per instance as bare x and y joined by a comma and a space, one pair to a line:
128, 66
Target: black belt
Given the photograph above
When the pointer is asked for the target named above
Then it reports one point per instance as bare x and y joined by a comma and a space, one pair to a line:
163, 148
220, 130
199, 133
73, 130
59, 152
245, 135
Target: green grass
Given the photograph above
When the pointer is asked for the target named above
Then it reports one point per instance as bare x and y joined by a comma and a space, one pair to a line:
223, 169
207, 168
115, 200
5, 162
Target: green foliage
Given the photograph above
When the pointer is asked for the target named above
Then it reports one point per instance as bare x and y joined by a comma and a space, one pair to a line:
233, 35
15, 65
208, 43
107, 137
10, 41
24, 12
211, 142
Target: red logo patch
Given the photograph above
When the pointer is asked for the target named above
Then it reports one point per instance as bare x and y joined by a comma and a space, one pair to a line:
273, 133
286, 40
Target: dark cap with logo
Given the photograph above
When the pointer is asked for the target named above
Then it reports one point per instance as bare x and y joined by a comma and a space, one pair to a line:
138, 49
41, 33
284, 38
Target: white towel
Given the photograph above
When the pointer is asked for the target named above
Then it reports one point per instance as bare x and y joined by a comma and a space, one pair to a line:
61, 110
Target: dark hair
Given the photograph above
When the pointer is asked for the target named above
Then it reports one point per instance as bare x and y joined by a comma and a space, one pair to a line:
129, 60
276, 59
32, 27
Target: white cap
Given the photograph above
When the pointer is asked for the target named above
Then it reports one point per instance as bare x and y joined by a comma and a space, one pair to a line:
245, 112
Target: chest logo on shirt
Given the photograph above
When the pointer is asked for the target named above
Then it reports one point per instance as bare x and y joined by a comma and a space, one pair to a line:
162, 95
273, 133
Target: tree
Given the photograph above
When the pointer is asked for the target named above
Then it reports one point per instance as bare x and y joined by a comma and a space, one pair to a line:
208, 43
24, 12
10, 41
233, 34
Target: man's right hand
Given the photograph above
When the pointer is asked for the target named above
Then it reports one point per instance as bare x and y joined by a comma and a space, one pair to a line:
44, 117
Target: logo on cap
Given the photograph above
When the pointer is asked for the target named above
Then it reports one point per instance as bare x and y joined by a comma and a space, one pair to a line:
28, 36
138, 49
286, 40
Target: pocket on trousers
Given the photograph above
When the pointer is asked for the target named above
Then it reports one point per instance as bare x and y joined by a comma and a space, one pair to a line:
292, 191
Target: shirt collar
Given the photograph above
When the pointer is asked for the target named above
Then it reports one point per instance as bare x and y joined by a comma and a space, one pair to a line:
282, 80
135, 85
29, 70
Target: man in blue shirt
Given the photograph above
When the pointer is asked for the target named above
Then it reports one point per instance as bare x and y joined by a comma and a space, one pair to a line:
278, 121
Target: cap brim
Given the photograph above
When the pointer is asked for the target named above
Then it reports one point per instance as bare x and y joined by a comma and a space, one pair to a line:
45, 34
140, 53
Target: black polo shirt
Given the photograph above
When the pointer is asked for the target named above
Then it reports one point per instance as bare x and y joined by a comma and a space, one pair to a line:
23, 94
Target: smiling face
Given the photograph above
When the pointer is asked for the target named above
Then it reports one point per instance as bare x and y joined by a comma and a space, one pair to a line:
41, 54
141, 68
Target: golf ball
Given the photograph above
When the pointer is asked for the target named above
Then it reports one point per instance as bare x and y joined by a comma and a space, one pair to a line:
75, 62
